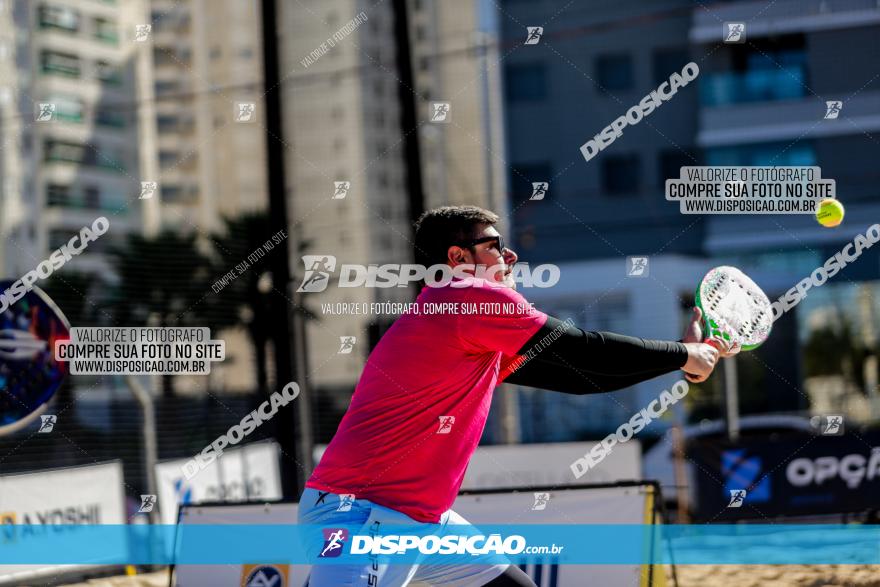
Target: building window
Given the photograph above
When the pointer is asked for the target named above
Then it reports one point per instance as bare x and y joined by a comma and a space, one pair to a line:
91, 197
665, 62
64, 64
614, 72
67, 108
523, 175
526, 82
671, 161
111, 118
108, 73
764, 71
106, 31
57, 195
59, 17
162, 56
763, 154
167, 122
175, 194
167, 86
55, 151
168, 159
620, 174
63, 151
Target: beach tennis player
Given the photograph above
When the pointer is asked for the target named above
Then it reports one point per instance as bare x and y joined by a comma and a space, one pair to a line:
421, 403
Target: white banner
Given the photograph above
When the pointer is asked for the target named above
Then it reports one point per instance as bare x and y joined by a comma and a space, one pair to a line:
606, 505
241, 474
258, 574
76, 495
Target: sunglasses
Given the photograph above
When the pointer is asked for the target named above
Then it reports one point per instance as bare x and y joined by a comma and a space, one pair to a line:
499, 242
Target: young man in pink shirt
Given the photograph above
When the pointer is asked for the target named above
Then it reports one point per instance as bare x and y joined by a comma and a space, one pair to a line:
421, 404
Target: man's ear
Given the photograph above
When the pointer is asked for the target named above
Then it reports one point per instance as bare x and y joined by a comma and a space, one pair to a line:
456, 255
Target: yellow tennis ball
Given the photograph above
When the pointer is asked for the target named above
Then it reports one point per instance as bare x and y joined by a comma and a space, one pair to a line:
830, 213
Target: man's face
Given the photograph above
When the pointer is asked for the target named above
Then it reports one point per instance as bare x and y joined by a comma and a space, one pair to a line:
487, 251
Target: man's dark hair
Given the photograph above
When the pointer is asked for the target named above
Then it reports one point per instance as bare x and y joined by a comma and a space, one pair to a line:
440, 228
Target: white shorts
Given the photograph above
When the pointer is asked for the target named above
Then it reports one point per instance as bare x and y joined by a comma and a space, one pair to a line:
319, 507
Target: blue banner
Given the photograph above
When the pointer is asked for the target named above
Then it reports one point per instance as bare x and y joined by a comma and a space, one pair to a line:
489, 544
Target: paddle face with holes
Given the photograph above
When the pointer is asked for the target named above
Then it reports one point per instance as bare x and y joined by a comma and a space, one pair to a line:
734, 308
29, 373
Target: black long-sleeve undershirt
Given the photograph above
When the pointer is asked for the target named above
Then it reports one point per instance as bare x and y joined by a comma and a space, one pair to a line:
570, 360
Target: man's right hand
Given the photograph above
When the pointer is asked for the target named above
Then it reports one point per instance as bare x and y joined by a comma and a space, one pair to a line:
702, 359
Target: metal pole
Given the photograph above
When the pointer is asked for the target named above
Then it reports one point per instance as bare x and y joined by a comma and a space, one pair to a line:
409, 116
293, 426
151, 453
682, 489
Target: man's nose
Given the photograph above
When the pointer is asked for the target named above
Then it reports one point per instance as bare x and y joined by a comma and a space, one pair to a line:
510, 256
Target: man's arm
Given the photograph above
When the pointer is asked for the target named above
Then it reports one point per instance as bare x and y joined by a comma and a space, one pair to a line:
564, 358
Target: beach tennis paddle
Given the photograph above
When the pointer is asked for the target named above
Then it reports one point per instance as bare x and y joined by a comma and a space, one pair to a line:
735, 309
29, 373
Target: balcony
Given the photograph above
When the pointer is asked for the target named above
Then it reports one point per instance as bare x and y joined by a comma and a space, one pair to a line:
783, 16
786, 120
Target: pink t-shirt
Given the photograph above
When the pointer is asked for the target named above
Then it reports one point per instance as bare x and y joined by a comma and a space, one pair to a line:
421, 404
